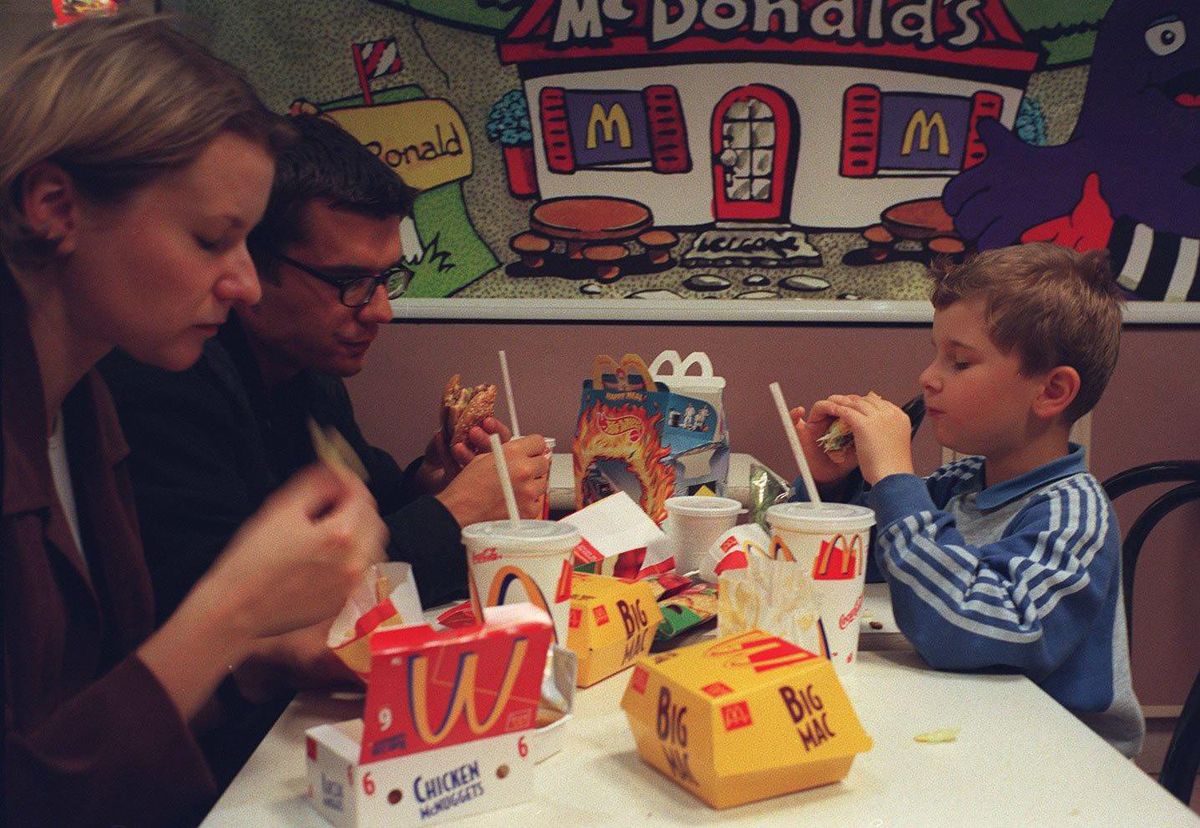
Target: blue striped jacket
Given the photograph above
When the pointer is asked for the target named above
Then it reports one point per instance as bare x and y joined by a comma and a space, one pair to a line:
1023, 575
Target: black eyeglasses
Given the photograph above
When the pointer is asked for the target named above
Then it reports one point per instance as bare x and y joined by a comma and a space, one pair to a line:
357, 290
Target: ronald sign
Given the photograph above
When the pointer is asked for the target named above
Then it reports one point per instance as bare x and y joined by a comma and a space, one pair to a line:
424, 141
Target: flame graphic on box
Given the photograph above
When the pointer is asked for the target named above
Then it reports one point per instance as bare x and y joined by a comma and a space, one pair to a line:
628, 435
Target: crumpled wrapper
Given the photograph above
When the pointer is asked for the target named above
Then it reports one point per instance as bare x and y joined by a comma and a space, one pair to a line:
774, 596
385, 598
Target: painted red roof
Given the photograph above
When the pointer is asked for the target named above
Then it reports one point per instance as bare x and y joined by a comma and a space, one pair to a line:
998, 46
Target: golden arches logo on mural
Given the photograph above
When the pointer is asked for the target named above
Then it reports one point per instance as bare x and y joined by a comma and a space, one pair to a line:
614, 124
921, 126
462, 694
425, 141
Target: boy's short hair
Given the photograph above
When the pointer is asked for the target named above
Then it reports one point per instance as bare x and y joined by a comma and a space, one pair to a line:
324, 162
1054, 306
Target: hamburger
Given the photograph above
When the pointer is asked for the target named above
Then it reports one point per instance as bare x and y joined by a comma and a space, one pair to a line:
464, 407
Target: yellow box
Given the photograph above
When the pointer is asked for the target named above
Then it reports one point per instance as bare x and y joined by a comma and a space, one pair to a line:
611, 624
743, 718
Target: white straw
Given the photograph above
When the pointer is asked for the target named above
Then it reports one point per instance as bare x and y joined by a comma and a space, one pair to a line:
510, 500
789, 428
512, 406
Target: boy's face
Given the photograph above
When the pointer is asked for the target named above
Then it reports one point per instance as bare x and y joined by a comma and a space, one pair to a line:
975, 395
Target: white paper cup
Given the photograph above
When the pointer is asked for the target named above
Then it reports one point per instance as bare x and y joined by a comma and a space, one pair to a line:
530, 562
830, 541
695, 522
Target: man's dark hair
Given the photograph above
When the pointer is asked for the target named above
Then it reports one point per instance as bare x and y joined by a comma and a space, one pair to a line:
328, 163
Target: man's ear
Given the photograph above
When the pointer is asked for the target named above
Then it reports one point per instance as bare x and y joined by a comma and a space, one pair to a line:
50, 204
1059, 389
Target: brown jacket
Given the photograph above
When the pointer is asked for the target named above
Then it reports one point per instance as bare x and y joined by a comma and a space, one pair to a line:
91, 737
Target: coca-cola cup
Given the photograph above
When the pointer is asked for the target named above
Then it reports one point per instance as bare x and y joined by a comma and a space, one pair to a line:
529, 561
829, 540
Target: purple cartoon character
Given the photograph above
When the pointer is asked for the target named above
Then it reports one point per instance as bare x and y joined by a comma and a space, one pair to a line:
1129, 177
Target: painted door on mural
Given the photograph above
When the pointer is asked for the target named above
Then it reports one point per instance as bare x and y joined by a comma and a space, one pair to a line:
753, 131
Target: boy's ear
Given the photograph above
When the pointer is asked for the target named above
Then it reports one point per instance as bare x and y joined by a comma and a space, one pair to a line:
1059, 389
50, 204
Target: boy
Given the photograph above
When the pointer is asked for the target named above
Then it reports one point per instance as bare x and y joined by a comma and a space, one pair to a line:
1010, 558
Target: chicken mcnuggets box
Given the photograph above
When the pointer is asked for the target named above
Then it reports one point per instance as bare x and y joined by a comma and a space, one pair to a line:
743, 718
611, 624
445, 728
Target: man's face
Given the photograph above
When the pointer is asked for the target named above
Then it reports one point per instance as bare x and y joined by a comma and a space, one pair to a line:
300, 323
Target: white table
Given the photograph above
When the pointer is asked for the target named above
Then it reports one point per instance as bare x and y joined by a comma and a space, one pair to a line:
562, 480
1020, 759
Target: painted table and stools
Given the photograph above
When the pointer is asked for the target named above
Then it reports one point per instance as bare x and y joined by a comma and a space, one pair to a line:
611, 236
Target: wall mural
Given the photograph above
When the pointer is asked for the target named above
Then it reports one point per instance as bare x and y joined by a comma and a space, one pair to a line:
750, 149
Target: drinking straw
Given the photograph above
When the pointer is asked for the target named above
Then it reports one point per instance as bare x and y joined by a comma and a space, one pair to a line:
789, 428
510, 500
512, 406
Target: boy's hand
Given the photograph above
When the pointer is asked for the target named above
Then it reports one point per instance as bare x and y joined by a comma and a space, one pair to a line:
827, 469
882, 433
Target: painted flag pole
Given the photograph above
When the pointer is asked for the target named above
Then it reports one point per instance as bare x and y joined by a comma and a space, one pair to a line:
364, 82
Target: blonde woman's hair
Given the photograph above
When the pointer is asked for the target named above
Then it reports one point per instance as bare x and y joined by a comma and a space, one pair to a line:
115, 102
1050, 304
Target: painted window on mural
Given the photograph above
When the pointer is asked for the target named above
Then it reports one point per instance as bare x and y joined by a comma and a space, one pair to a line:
910, 132
605, 129
748, 135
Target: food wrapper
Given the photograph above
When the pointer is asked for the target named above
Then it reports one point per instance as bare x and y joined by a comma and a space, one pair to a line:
385, 598
733, 549
686, 610
776, 597
766, 489
613, 536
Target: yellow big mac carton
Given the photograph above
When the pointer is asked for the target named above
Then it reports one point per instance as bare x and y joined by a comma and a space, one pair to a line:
611, 624
743, 718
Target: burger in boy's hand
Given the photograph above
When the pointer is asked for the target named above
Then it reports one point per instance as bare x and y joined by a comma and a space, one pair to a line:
464, 407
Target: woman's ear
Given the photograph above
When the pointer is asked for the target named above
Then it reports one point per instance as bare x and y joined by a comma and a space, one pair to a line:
1059, 389
50, 204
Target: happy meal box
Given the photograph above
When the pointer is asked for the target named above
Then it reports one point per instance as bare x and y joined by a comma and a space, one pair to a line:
636, 434
743, 718
445, 728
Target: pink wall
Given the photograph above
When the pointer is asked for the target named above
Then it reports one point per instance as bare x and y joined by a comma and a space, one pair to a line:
1151, 411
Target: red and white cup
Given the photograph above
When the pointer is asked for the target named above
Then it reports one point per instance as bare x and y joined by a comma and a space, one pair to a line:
531, 562
830, 541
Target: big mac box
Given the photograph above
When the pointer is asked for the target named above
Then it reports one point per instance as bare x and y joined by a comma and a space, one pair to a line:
743, 718
445, 728
611, 624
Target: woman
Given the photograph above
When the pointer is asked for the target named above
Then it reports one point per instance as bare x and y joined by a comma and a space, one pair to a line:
132, 166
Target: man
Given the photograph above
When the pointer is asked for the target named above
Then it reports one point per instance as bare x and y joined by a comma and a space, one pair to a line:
209, 444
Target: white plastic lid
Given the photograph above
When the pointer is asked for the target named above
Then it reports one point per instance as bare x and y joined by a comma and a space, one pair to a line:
703, 505
532, 535
820, 517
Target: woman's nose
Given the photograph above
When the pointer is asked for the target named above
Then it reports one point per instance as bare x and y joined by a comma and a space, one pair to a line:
239, 283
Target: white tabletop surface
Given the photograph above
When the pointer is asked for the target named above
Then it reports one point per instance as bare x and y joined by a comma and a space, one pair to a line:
1019, 759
